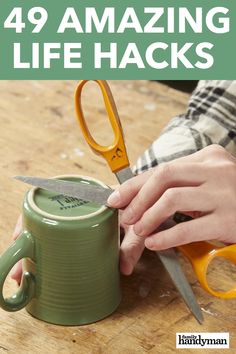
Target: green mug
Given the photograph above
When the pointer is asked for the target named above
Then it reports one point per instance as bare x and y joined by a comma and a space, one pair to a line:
70, 252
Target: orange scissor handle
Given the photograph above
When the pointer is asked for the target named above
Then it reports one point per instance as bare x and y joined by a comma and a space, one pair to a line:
200, 255
115, 154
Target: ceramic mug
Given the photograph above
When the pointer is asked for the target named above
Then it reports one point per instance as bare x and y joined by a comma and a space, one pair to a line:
70, 251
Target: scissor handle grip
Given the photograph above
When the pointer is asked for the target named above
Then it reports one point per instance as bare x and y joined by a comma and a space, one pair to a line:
200, 255
115, 154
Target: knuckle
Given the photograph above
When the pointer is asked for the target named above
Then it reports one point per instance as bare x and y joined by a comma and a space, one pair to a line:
163, 171
145, 225
171, 198
136, 208
132, 246
128, 213
148, 223
216, 149
135, 246
132, 212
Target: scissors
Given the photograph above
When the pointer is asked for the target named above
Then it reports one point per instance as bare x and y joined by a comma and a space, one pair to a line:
117, 158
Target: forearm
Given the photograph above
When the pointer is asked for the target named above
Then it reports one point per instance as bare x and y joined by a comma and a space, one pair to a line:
210, 119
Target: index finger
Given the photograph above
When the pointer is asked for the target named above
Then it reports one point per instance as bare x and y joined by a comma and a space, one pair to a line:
127, 191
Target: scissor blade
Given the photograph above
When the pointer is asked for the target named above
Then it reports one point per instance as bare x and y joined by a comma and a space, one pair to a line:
83, 191
170, 261
124, 175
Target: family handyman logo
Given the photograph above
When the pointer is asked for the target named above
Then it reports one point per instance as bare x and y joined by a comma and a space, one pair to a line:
202, 340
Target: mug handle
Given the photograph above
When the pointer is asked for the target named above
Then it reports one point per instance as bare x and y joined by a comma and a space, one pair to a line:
21, 248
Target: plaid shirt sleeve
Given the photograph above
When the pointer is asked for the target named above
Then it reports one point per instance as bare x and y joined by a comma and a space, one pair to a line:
210, 119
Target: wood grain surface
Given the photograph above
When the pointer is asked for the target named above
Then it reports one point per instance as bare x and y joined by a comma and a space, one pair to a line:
39, 135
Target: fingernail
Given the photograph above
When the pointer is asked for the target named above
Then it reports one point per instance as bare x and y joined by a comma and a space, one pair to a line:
149, 243
126, 266
114, 198
138, 228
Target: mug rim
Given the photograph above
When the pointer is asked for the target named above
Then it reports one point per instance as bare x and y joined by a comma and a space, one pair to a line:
33, 205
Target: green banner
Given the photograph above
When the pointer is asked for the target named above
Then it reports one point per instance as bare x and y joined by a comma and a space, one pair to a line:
175, 39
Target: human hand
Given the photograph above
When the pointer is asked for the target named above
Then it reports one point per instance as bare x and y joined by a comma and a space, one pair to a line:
17, 269
202, 185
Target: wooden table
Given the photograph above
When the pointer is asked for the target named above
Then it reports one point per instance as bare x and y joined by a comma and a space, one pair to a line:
39, 136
